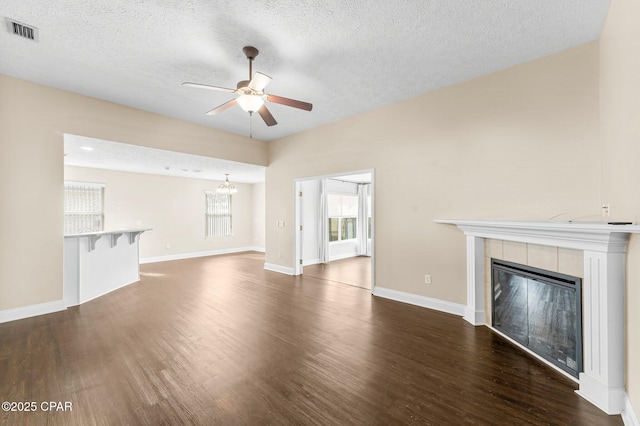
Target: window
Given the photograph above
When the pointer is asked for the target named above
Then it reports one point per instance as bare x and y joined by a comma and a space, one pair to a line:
83, 207
343, 213
218, 215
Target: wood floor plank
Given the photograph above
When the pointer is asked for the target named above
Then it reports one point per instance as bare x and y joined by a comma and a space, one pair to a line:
354, 271
219, 340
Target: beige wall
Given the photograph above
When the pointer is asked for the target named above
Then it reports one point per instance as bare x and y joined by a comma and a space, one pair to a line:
521, 143
172, 206
620, 121
33, 119
258, 203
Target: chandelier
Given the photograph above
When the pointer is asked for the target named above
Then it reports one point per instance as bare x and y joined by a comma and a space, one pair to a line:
226, 187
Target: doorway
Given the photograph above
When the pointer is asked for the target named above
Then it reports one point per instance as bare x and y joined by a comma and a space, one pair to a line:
334, 226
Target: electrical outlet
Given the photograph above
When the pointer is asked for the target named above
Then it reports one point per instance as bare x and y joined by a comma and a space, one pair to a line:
279, 254
427, 279
606, 210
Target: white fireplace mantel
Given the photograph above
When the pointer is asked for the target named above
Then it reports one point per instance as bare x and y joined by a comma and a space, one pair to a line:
604, 247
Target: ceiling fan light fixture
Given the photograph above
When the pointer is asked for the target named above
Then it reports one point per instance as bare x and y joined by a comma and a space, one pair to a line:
251, 96
226, 187
250, 103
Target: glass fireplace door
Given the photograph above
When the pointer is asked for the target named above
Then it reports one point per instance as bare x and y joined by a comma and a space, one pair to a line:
541, 310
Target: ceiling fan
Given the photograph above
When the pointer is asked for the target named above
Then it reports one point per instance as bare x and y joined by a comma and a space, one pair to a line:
251, 94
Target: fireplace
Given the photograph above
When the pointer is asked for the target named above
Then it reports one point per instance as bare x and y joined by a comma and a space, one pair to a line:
539, 309
603, 247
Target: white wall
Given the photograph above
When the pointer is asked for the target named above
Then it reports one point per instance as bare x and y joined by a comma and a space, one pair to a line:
310, 232
174, 208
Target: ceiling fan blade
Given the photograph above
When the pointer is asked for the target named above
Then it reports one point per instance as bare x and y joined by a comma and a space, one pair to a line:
266, 116
259, 81
206, 86
289, 102
225, 106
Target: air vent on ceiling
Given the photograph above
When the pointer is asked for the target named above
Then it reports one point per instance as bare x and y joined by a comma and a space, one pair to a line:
22, 30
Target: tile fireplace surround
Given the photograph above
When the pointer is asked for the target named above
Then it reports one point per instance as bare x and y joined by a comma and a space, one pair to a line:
604, 247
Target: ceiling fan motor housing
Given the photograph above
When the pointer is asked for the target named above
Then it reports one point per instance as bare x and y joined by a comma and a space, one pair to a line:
250, 52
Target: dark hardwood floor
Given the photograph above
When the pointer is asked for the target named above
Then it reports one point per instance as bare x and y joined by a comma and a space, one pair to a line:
353, 271
221, 341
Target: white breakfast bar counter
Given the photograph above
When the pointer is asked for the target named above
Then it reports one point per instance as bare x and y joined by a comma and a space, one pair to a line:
97, 263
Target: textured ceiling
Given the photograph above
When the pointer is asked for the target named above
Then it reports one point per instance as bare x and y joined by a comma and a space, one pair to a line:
344, 56
89, 152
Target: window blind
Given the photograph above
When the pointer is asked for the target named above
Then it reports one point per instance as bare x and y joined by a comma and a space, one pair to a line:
83, 207
218, 215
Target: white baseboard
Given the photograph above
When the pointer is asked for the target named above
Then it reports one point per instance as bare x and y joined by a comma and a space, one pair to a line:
310, 262
277, 268
629, 416
342, 256
180, 256
32, 311
423, 301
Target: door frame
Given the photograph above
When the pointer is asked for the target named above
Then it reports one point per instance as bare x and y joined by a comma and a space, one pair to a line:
298, 219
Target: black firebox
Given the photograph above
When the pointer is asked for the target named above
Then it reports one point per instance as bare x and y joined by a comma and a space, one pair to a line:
542, 310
